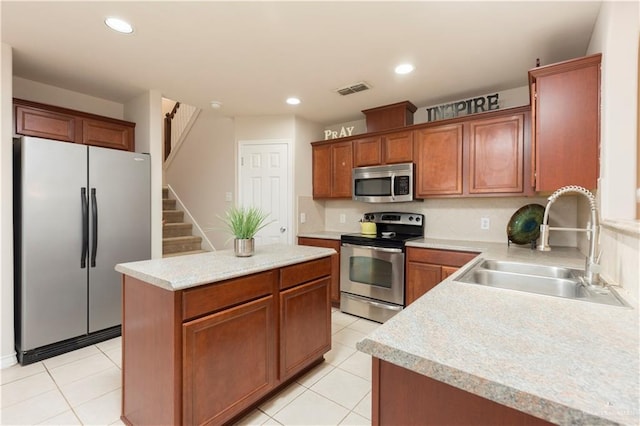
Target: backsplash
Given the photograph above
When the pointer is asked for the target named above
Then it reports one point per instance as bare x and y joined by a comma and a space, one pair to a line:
457, 219
620, 244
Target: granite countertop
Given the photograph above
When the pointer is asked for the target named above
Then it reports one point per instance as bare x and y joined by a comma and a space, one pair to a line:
565, 361
180, 272
327, 235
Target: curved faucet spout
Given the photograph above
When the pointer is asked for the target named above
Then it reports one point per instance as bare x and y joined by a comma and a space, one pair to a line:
591, 274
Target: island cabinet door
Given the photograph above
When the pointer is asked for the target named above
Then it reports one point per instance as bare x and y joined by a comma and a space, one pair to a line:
229, 361
305, 325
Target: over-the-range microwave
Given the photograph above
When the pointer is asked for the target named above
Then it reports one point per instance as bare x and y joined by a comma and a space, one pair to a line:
391, 183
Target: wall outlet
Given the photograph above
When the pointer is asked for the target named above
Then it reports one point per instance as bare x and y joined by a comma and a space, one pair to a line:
343, 218
485, 223
303, 217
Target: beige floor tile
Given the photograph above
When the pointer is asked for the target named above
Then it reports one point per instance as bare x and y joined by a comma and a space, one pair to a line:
17, 372
69, 357
103, 410
272, 422
107, 345
68, 418
315, 374
342, 318
35, 410
275, 404
338, 353
364, 407
28, 387
118, 423
115, 355
335, 327
254, 418
342, 387
311, 409
81, 368
354, 419
359, 364
90, 387
364, 326
348, 337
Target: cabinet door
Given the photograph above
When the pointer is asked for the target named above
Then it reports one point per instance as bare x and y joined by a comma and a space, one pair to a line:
342, 164
398, 147
567, 124
107, 135
421, 277
321, 171
496, 155
447, 271
438, 154
229, 361
367, 152
335, 263
305, 325
45, 124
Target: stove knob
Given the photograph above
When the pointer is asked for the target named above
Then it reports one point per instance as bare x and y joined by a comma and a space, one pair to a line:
410, 218
417, 218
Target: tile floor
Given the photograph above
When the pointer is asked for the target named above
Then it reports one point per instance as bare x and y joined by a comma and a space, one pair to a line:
83, 387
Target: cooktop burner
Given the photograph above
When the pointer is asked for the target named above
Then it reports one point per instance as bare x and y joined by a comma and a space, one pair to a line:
392, 230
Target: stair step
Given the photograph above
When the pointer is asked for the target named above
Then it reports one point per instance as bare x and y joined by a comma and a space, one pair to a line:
184, 253
168, 204
165, 193
181, 244
172, 216
176, 229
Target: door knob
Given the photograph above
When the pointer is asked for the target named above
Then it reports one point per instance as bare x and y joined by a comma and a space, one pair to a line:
282, 229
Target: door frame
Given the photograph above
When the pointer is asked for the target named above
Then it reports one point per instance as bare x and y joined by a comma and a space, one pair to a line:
289, 191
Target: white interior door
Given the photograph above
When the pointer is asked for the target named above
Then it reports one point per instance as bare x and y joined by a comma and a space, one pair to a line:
265, 182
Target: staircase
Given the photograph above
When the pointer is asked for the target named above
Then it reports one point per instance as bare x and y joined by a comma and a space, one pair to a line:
177, 239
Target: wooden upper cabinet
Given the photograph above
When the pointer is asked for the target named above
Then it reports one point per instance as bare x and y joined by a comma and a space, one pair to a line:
566, 123
496, 160
45, 124
332, 164
52, 122
367, 152
398, 147
438, 156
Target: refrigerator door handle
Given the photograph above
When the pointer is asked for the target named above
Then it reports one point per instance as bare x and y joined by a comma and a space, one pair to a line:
85, 227
94, 225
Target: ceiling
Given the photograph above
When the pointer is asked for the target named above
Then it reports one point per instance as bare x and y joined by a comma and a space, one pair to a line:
251, 56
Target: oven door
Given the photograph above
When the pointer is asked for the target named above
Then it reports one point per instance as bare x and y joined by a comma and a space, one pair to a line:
374, 272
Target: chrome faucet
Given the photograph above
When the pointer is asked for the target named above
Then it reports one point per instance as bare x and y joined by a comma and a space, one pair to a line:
592, 268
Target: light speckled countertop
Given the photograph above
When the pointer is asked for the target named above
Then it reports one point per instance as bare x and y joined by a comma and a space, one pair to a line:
327, 235
566, 361
180, 272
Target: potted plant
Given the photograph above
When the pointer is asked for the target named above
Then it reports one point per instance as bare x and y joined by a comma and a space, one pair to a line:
244, 223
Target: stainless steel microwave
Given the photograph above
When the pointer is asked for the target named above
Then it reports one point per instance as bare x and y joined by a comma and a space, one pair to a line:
390, 183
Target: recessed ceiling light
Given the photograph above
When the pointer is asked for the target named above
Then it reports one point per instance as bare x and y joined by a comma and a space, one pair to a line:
404, 69
119, 25
293, 101
216, 104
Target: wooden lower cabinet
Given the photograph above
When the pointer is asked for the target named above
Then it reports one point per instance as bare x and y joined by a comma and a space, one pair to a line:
209, 354
426, 268
335, 263
403, 397
217, 384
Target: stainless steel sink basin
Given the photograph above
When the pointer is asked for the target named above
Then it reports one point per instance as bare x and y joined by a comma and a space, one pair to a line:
539, 279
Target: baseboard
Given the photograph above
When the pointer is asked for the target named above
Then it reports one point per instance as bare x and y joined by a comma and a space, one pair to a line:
8, 360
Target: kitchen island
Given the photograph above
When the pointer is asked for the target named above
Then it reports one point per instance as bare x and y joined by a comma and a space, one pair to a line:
206, 337
474, 354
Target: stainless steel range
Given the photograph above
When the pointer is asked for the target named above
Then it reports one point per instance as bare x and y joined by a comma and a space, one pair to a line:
372, 265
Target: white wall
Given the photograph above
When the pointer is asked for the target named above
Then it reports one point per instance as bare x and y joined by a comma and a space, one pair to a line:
46, 94
7, 350
146, 111
616, 36
203, 170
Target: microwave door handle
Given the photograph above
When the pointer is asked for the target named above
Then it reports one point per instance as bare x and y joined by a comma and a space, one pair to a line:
393, 186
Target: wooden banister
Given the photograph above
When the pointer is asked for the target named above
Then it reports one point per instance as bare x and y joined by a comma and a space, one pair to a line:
167, 129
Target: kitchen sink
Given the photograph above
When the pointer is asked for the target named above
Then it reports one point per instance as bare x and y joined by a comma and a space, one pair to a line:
539, 279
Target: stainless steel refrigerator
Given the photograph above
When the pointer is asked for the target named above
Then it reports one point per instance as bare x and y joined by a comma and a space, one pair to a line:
78, 211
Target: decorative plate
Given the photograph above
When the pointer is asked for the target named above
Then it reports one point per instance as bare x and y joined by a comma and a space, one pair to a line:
524, 225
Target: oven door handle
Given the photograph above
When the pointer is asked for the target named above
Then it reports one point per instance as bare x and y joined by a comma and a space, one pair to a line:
382, 249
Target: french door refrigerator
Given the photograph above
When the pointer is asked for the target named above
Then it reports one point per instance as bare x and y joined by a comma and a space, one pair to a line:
78, 211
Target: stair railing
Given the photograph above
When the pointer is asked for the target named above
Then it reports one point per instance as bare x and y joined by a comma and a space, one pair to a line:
167, 129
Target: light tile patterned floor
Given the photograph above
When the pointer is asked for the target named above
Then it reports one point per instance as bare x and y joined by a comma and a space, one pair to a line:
84, 387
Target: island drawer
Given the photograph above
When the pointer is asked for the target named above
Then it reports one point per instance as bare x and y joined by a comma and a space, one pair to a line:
213, 297
304, 272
